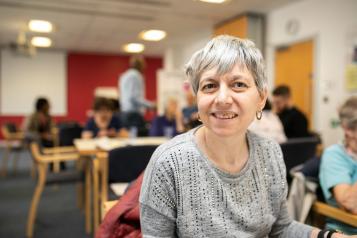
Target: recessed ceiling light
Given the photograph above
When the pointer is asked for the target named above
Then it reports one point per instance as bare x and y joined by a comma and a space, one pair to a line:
40, 26
134, 48
40, 41
213, 1
152, 35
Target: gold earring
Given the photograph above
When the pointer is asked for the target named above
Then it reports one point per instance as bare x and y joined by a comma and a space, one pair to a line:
259, 114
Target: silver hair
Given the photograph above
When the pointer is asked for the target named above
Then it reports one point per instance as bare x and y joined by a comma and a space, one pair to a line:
348, 113
224, 52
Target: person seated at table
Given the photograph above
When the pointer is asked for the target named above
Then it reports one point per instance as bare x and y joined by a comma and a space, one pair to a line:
338, 169
294, 121
169, 124
190, 111
103, 123
269, 125
39, 126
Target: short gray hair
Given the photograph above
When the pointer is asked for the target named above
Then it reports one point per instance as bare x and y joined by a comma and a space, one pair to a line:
348, 113
224, 52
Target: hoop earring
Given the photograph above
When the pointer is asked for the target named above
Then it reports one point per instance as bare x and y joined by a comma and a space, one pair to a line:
259, 114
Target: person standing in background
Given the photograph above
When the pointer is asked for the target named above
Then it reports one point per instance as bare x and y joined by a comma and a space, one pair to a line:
131, 88
294, 121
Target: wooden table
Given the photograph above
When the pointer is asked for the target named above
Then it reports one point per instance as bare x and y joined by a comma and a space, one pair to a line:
88, 148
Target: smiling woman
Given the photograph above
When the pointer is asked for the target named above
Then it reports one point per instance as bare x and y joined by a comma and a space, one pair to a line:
219, 179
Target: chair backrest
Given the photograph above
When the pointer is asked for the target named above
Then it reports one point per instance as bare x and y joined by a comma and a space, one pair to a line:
7, 129
68, 132
298, 150
126, 163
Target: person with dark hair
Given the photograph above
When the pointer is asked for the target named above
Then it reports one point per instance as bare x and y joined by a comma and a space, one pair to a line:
132, 94
103, 123
40, 126
294, 121
338, 169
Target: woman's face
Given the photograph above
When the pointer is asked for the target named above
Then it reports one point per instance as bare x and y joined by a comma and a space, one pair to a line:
227, 104
351, 138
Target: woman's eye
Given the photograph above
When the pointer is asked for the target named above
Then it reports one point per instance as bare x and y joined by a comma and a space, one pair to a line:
209, 87
240, 85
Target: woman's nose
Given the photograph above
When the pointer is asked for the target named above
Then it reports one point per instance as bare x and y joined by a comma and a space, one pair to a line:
224, 95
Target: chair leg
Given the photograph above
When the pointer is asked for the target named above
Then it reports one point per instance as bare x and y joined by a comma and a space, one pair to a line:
80, 196
5, 161
35, 199
88, 214
16, 157
96, 201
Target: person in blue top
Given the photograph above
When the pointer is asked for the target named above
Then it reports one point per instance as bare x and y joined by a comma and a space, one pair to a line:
338, 169
103, 123
169, 124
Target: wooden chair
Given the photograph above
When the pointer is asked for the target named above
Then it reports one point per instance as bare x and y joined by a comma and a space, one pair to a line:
119, 165
14, 144
41, 160
335, 213
107, 206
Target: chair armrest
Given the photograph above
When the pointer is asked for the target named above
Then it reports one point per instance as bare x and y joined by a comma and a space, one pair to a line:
58, 157
16, 135
107, 206
61, 149
335, 213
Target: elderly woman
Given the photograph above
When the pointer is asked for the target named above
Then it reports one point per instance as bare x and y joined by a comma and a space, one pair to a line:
220, 180
338, 171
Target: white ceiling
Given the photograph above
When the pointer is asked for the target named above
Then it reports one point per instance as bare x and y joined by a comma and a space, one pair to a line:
104, 25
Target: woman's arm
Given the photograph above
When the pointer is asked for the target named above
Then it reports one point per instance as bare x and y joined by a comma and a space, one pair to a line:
155, 224
346, 196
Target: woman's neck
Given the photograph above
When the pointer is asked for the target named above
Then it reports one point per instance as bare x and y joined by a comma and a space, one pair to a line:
229, 154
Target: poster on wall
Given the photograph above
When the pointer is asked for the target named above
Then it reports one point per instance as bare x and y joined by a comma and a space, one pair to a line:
351, 67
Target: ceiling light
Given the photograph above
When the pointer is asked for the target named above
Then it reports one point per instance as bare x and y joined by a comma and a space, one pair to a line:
40, 41
40, 26
213, 1
152, 35
134, 48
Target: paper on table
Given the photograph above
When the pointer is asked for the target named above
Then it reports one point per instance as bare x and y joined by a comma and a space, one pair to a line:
119, 188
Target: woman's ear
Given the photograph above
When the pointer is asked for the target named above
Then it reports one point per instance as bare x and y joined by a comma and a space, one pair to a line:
263, 98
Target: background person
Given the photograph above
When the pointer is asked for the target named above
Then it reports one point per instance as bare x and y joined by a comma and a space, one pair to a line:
169, 124
338, 168
220, 180
269, 125
103, 123
132, 91
294, 121
39, 125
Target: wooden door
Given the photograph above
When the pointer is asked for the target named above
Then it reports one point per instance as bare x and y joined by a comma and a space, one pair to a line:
294, 67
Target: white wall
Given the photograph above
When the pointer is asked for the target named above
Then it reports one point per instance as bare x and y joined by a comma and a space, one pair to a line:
25, 78
332, 24
171, 79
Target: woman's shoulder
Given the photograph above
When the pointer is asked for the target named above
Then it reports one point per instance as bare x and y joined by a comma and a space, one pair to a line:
260, 142
174, 150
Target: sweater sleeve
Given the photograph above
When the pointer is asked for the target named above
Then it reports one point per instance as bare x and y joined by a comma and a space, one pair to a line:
158, 199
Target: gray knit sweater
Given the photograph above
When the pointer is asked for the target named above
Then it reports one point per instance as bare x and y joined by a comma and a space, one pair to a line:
184, 195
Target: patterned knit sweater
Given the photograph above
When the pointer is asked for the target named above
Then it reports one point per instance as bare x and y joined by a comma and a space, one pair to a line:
185, 195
